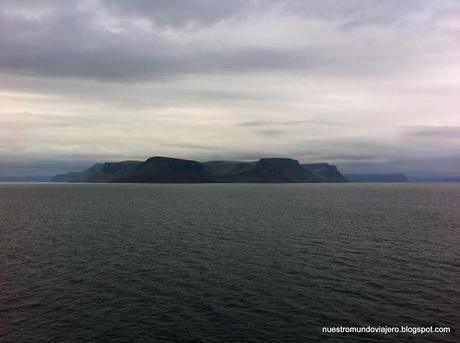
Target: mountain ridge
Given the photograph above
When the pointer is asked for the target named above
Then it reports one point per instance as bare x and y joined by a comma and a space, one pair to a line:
159, 169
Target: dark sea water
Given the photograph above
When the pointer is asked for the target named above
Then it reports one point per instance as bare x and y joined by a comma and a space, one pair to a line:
227, 263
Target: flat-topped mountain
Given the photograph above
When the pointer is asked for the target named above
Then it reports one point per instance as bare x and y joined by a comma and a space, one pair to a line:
173, 170
266, 170
167, 170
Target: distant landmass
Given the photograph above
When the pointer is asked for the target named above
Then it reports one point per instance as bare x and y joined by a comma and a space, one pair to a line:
99, 172
173, 170
397, 177
434, 178
25, 178
160, 169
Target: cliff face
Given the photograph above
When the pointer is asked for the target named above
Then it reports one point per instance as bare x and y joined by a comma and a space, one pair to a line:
167, 170
324, 172
172, 170
284, 170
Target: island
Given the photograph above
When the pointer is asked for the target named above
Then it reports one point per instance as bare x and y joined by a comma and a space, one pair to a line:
161, 169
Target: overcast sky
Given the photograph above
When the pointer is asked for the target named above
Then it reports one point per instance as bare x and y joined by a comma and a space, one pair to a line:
367, 85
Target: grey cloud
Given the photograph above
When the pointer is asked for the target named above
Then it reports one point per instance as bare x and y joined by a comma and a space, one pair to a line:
192, 146
252, 123
432, 132
155, 59
112, 80
179, 12
72, 40
259, 123
262, 123
270, 132
29, 121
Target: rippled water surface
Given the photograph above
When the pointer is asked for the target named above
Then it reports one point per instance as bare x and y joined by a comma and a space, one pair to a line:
227, 263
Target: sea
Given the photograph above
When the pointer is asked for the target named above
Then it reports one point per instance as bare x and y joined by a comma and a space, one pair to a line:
228, 262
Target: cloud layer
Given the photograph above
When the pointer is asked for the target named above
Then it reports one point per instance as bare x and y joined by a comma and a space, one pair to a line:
368, 85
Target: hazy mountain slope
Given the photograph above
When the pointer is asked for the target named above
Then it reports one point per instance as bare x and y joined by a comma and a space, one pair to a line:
396, 177
100, 172
110, 171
